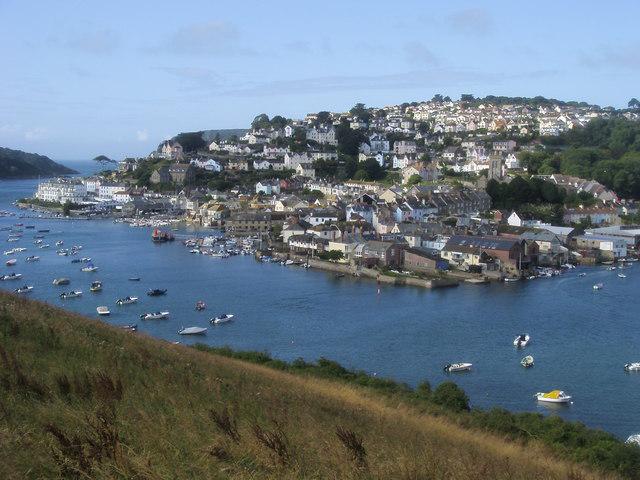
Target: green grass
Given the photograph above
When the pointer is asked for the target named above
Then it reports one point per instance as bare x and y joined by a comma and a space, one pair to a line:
80, 399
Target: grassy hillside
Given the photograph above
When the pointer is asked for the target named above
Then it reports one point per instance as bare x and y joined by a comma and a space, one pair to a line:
19, 164
79, 399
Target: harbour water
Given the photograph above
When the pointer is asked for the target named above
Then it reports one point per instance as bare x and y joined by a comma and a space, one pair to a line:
581, 338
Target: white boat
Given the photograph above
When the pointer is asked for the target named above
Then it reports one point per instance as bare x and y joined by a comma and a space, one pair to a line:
224, 318
20, 249
59, 243
103, 310
598, 286
522, 340
527, 361
61, 281
554, 396
11, 262
622, 275
289, 262
582, 274
32, 258
46, 245
71, 294
11, 276
611, 268
10, 252
457, 367
126, 300
633, 440
632, 367
192, 331
154, 316
96, 286
89, 268
24, 289
512, 279
38, 241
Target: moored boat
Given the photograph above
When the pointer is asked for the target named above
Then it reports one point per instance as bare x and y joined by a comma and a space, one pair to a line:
554, 396
154, 316
32, 258
129, 328
192, 331
527, 361
457, 367
61, 281
160, 236
96, 286
134, 279
224, 318
598, 286
89, 268
24, 289
632, 367
71, 294
622, 275
200, 305
103, 310
522, 340
156, 292
11, 262
11, 276
126, 300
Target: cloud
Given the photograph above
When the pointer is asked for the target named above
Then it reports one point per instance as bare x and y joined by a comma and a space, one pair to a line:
471, 21
626, 56
418, 54
196, 78
142, 135
36, 134
208, 38
98, 42
9, 129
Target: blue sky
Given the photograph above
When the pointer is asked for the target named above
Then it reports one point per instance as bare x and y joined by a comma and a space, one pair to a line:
83, 78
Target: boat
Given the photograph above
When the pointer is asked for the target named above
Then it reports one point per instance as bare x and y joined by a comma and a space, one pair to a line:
10, 252
126, 300
611, 268
339, 275
622, 275
192, 331
200, 305
554, 396
46, 245
44, 230
11, 276
598, 286
30, 226
103, 310
154, 316
20, 249
129, 328
71, 294
632, 367
32, 258
76, 260
61, 281
527, 361
38, 241
289, 262
516, 279
11, 262
156, 292
522, 340
582, 274
134, 279
160, 236
96, 286
224, 318
85, 260
457, 367
59, 243
24, 289
89, 268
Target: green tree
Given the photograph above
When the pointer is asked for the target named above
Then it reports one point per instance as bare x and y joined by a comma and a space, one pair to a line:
260, 121
66, 208
278, 122
349, 140
360, 111
451, 397
414, 180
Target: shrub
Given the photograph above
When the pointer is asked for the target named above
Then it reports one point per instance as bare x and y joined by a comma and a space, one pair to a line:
451, 397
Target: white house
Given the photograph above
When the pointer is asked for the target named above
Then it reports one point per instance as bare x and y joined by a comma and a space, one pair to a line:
62, 190
268, 187
209, 165
378, 143
514, 220
292, 160
261, 164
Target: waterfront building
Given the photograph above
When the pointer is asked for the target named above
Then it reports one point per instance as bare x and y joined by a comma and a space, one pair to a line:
62, 190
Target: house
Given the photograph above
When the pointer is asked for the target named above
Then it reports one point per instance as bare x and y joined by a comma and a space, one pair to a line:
426, 173
511, 162
551, 251
504, 146
292, 160
509, 255
249, 223
403, 161
262, 164
419, 260
288, 131
402, 147
238, 164
171, 150
319, 217
326, 232
213, 213
181, 173
160, 175
210, 165
305, 170
597, 215
609, 247
295, 228
128, 165
514, 220
344, 244
382, 254
360, 211
323, 135
289, 204
268, 187
378, 143
307, 243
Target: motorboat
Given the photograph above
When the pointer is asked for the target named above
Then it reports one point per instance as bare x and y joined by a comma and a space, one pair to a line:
32, 258
192, 331
134, 279
11, 276
89, 268
289, 262
59, 243
129, 328
598, 286
96, 286
582, 274
632, 367
554, 396
527, 361
11, 262
154, 316
611, 268
10, 252
224, 318
76, 260
85, 259
103, 310
44, 230
633, 439
71, 294
622, 275
457, 367
46, 245
62, 253
24, 289
200, 305
61, 281
156, 292
38, 241
522, 340
126, 300
516, 279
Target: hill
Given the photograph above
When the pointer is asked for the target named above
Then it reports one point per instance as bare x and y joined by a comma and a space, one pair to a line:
19, 164
81, 399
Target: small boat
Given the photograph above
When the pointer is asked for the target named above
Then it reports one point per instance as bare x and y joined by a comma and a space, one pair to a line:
96, 286
38, 242
554, 396
59, 243
289, 262
46, 245
20, 249
339, 275
224, 318
622, 275
11, 276
200, 305
10, 252
633, 439
611, 268
156, 292
44, 230
76, 260
24, 289
192, 331
134, 279
522, 340
126, 300
632, 367
516, 279
129, 328
103, 310
527, 361
30, 226
89, 268
582, 274
598, 286
154, 316
32, 258
61, 281
85, 259
11, 262
71, 294
457, 367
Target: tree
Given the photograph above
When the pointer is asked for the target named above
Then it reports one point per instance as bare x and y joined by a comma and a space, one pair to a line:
349, 140
467, 97
633, 103
278, 122
438, 98
423, 390
370, 170
260, 121
66, 208
414, 180
323, 117
451, 397
360, 111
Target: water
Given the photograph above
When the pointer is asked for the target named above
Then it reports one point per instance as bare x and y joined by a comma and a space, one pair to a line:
581, 338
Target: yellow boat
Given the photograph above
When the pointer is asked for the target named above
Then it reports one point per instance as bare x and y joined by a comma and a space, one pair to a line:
554, 396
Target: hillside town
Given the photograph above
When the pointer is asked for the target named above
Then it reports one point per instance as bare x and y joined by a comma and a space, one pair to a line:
404, 188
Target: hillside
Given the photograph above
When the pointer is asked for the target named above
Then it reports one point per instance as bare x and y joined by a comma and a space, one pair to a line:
84, 400
19, 164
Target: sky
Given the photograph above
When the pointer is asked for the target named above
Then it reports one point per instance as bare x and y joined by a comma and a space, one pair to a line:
83, 78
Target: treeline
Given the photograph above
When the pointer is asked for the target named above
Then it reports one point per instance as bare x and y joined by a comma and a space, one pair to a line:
569, 440
606, 150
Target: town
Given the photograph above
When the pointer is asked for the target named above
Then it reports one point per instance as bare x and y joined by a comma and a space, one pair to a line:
472, 189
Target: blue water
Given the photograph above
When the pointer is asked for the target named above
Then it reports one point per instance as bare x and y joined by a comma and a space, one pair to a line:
581, 338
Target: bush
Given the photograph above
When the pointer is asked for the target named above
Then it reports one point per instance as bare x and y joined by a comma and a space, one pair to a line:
451, 396
423, 390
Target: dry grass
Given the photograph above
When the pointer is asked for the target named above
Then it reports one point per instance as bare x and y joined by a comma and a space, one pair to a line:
79, 399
